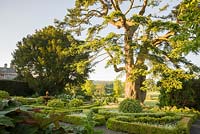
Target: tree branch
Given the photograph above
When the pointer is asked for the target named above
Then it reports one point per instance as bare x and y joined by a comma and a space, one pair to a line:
162, 38
113, 4
117, 69
105, 7
142, 11
117, 5
130, 7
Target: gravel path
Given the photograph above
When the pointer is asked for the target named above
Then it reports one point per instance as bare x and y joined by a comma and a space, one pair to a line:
107, 131
195, 129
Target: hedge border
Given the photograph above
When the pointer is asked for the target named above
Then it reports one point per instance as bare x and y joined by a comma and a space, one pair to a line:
108, 114
80, 120
182, 127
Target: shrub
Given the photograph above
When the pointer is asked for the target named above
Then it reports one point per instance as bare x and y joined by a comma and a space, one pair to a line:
105, 100
75, 102
130, 106
16, 88
56, 103
4, 94
25, 101
186, 97
64, 97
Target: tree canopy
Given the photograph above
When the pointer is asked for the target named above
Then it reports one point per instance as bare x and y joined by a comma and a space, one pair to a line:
140, 38
49, 59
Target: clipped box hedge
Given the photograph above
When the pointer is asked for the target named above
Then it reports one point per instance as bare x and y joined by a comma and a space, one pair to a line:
79, 119
109, 113
182, 127
74, 119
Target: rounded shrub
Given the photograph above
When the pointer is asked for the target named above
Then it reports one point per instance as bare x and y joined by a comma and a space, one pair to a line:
4, 94
130, 106
55, 103
75, 102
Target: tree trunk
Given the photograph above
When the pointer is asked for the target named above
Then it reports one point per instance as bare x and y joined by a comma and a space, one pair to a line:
132, 88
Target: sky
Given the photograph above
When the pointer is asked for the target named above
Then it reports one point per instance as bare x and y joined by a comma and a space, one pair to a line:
18, 18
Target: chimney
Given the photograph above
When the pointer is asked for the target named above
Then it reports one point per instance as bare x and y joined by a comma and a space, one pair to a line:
11, 65
5, 65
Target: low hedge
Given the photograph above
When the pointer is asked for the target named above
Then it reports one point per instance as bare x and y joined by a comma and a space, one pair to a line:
109, 113
99, 119
79, 119
74, 119
28, 101
151, 120
182, 127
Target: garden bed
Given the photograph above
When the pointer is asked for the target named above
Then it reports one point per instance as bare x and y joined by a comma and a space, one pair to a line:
125, 124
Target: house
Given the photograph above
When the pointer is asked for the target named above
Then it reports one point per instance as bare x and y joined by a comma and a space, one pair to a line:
7, 73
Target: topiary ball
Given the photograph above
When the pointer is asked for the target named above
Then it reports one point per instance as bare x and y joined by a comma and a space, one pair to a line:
130, 106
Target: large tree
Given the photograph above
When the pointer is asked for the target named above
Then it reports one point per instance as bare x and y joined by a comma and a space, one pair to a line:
139, 37
49, 59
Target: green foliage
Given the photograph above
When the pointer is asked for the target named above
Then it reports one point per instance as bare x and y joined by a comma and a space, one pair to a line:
130, 106
105, 100
119, 124
150, 85
4, 95
16, 88
56, 103
188, 13
109, 113
49, 59
28, 101
99, 119
185, 111
118, 88
75, 102
152, 120
186, 97
88, 87
146, 44
74, 119
64, 97
90, 123
6, 121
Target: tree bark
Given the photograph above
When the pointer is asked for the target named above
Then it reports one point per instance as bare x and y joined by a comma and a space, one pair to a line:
132, 86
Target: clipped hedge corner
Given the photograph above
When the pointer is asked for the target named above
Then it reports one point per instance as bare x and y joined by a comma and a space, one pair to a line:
182, 127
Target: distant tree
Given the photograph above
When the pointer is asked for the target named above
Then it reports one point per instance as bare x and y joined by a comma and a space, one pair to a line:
140, 37
100, 90
88, 87
49, 59
118, 88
